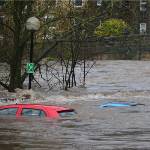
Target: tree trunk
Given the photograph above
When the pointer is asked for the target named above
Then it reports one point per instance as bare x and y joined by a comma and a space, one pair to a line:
15, 71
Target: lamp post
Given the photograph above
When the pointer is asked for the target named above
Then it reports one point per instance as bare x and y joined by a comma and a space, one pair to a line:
32, 24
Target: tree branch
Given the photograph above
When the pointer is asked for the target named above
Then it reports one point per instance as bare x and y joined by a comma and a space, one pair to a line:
7, 26
4, 85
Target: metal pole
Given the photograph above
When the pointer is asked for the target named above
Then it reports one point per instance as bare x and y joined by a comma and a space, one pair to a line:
31, 58
84, 68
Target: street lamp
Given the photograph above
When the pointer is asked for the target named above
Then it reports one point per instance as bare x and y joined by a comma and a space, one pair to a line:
32, 24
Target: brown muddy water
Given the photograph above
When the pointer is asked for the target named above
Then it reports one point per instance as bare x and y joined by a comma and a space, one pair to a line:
93, 128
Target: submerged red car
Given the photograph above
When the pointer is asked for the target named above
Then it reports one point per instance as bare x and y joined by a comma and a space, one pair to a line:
36, 110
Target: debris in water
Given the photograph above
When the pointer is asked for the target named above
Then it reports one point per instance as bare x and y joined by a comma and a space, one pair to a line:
21, 96
119, 104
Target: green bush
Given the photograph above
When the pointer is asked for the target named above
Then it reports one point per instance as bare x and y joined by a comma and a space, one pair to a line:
111, 27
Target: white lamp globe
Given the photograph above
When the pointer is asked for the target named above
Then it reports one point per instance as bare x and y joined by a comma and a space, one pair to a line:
33, 24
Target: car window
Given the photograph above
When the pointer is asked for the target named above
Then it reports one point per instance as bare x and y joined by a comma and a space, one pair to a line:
32, 112
8, 111
67, 113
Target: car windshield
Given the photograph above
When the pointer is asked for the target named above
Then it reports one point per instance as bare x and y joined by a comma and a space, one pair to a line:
67, 113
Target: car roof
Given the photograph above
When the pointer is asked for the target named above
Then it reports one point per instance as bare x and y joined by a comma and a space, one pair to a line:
57, 108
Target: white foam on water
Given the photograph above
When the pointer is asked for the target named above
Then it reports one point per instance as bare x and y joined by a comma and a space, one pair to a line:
107, 80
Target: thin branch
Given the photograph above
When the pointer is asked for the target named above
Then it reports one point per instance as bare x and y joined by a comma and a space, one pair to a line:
7, 26
4, 85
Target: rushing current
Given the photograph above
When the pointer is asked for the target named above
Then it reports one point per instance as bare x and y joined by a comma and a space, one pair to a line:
93, 128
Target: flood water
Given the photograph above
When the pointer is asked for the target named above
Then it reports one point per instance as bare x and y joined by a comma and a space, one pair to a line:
93, 128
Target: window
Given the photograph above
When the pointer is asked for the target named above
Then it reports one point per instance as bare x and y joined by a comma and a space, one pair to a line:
8, 111
78, 3
52, 27
32, 112
1, 3
126, 4
99, 2
143, 4
2, 19
67, 113
142, 28
57, 2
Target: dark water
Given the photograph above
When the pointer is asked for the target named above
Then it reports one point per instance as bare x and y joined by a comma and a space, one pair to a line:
93, 128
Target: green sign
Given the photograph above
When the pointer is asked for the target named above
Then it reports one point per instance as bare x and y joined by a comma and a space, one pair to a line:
30, 67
